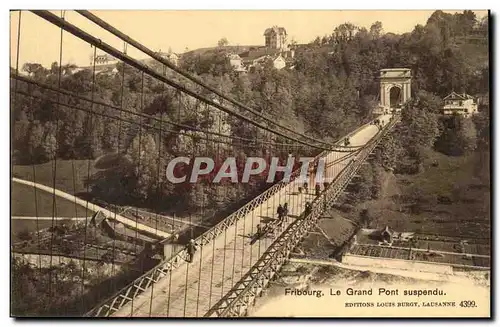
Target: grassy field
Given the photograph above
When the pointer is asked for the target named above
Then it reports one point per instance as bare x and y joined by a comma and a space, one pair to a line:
18, 227
24, 203
70, 174
449, 198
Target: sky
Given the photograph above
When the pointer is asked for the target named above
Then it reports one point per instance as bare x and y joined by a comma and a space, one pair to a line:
178, 30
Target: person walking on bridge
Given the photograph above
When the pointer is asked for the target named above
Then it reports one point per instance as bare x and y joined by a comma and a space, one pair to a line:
191, 249
259, 230
308, 209
318, 189
285, 212
280, 212
258, 234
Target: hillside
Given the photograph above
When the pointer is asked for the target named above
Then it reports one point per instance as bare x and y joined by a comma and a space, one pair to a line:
476, 54
229, 48
447, 198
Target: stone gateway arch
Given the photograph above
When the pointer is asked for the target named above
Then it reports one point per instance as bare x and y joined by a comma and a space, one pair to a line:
395, 87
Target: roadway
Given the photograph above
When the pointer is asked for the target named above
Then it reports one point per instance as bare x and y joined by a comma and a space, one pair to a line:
93, 207
192, 289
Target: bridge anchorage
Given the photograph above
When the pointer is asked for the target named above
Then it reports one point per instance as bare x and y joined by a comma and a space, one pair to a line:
395, 88
233, 263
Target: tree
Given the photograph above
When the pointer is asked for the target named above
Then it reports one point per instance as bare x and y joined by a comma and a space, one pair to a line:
317, 41
419, 122
365, 217
484, 25
467, 136
344, 32
70, 132
142, 155
20, 136
362, 189
376, 30
458, 136
54, 68
35, 70
222, 42
482, 124
392, 151
199, 195
35, 138
49, 146
467, 21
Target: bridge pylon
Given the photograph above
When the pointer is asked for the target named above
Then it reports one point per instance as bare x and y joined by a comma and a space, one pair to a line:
395, 88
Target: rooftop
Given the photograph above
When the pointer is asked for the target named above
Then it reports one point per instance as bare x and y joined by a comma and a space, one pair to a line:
102, 67
421, 247
417, 254
395, 72
105, 56
456, 96
262, 52
276, 30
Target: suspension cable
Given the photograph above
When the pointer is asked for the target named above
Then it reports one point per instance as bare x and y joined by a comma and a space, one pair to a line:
54, 179
98, 21
143, 67
147, 116
255, 143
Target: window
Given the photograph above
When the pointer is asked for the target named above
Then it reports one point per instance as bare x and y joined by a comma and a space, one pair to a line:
268, 40
461, 103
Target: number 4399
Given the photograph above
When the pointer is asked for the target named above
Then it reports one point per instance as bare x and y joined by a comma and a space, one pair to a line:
468, 304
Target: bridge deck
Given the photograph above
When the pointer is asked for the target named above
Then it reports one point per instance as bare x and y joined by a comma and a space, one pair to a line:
193, 288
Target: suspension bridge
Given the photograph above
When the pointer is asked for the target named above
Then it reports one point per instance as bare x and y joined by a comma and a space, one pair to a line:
230, 268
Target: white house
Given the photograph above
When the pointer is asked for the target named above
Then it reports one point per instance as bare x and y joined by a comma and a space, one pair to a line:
104, 64
236, 62
173, 58
103, 59
170, 56
276, 37
462, 104
279, 62
276, 50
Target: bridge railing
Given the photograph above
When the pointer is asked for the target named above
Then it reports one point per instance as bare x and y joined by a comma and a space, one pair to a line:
238, 299
141, 284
